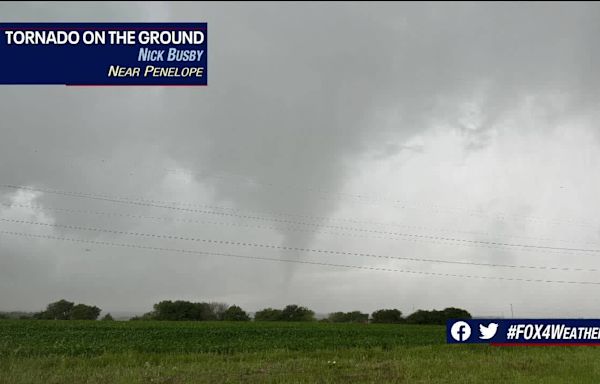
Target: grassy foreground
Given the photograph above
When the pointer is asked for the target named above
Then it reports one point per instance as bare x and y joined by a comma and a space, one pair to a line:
168, 352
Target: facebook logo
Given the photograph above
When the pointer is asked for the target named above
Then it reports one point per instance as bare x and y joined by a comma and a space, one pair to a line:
460, 331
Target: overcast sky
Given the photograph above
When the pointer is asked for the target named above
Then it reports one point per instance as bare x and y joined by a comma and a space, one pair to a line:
342, 127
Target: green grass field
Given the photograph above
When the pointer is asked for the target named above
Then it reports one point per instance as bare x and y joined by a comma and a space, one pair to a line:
221, 352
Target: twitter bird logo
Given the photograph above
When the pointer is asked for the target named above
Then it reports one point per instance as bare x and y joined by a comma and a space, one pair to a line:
488, 332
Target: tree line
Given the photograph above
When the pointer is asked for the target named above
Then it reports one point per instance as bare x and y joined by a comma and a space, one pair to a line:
60, 310
187, 311
181, 310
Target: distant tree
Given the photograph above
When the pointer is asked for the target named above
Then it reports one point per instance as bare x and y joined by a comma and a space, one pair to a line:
144, 317
108, 317
437, 317
289, 313
177, 310
297, 313
268, 314
357, 317
15, 315
66, 310
206, 312
84, 312
235, 313
456, 313
181, 310
59, 310
337, 317
218, 310
424, 317
387, 316
348, 317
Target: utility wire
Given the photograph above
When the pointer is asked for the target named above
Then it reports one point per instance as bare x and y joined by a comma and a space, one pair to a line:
303, 216
141, 202
287, 227
285, 248
371, 199
137, 246
439, 230
328, 194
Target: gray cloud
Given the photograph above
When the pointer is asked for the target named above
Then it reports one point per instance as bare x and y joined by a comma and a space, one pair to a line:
440, 104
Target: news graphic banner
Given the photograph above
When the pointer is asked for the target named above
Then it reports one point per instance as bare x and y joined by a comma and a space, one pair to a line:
524, 331
104, 53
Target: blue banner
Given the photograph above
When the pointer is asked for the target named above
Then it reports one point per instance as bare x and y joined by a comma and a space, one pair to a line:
104, 53
524, 331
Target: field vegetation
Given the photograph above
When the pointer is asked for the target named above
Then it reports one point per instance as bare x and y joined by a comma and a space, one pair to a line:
52, 351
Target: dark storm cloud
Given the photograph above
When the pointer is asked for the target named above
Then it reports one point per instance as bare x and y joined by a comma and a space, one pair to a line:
297, 95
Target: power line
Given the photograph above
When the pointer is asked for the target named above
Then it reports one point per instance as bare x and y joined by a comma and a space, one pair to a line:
68, 210
141, 202
247, 214
328, 194
370, 199
286, 248
206, 206
279, 228
137, 246
288, 227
